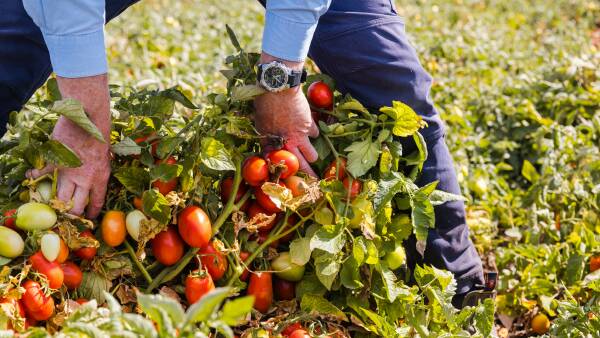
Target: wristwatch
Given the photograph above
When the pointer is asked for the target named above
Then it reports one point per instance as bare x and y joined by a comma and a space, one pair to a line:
276, 76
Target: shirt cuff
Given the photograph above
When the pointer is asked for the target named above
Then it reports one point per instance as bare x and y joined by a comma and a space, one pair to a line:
81, 55
286, 39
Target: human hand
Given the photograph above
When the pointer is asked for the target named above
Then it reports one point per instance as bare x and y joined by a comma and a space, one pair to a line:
88, 182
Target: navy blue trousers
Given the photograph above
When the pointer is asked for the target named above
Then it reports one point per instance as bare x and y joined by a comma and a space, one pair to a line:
362, 45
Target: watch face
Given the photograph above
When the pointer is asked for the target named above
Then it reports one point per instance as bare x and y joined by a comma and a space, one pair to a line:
275, 77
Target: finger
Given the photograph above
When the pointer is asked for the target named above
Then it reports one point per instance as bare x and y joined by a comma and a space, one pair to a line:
304, 165
80, 200
97, 195
313, 131
65, 189
309, 152
35, 173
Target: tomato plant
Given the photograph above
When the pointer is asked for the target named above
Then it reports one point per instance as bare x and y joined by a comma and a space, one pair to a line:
165, 187
213, 261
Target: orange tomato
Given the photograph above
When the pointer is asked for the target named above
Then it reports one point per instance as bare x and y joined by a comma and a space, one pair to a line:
113, 228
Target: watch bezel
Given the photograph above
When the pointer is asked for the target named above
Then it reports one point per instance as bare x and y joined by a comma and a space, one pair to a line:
273, 64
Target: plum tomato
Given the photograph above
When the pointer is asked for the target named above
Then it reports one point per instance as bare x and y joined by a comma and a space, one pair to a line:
198, 284
35, 216
37, 305
73, 275
297, 185
50, 246
113, 228
255, 170
265, 200
52, 270
133, 222
283, 289
320, 95
213, 261
194, 226
167, 246
86, 253
11, 243
63, 252
285, 158
261, 287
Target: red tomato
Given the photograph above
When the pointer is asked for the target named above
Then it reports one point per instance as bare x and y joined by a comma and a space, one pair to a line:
284, 157
284, 290
9, 221
261, 287
81, 301
213, 261
154, 144
37, 305
291, 328
73, 275
63, 252
227, 188
594, 263
301, 333
243, 257
255, 170
113, 228
265, 200
256, 209
354, 189
86, 253
332, 172
320, 95
167, 247
197, 284
51, 270
297, 185
194, 226
165, 187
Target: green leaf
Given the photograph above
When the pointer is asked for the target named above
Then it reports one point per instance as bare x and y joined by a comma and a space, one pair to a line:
310, 284
317, 305
235, 311
203, 309
419, 156
350, 275
246, 92
126, 147
233, 38
388, 187
352, 105
529, 172
167, 145
362, 156
300, 250
151, 304
326, 268
59, 154
391, 285
134, 179
140, 325
156, 206
73, 110
214, 155
176, 95
439, 197
574, 269
4, 260
484, 317
406, 120
329, 238
165, 172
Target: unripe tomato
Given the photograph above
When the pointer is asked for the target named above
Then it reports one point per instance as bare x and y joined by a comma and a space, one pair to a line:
86, 253
37, 305
540, 324
265, 200
256, 209
113, 228
213, 261
284, 290
300, 334
354, 189
243, 257
261, 287
44, 188
287, 159
286, 269
167, 247
11, 243
73, 275
133, 222
198, 284
35, 216
320, 95
50, 246
297, 185
63, 252
138, 203
51, 270
194, 226
396, 258
291, 328
165, 187
10, 217
255, 170
333, 173
594, 263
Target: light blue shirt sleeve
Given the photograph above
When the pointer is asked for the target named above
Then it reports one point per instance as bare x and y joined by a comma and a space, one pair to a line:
74, 34
289, 27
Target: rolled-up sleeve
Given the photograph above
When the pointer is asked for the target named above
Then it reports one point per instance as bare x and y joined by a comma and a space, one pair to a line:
74, 34
289, 27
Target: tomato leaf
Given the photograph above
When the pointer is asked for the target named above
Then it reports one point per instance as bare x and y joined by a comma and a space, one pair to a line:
319, 306
362, 156
388, 187
140, 325
156, 206
246, 92
165, 172
126, 147
406, 120
392, 287
310, 284
214, 155
73, 110
93, 286
134, 179
235, 311
326, 268
161, 309
529, 172
203, 309
176, 95
300, 250
329, 238
167, 145
59, 154
350, 275
439, 197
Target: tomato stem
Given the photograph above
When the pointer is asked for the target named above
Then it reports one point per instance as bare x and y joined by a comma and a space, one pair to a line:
137, 262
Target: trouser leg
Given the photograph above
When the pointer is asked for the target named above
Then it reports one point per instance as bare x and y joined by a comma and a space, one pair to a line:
24, 60
362, 45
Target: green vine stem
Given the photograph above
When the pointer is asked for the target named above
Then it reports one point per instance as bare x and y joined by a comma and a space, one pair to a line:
137, 262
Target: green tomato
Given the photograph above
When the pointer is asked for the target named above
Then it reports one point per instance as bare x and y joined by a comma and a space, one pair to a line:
35, 216
324, 216
44, 188
285, 269
396, 258
11, 243
360, 207
50, 246
133, 222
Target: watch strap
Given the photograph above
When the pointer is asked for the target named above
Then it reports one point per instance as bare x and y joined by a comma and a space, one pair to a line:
296, 78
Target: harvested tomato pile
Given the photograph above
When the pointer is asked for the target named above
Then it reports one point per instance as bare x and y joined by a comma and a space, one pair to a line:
205, 234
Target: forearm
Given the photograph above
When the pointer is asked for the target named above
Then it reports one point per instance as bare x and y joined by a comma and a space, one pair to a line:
92, 92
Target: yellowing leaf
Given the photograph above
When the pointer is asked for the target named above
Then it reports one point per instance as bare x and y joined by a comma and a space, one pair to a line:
406, 120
